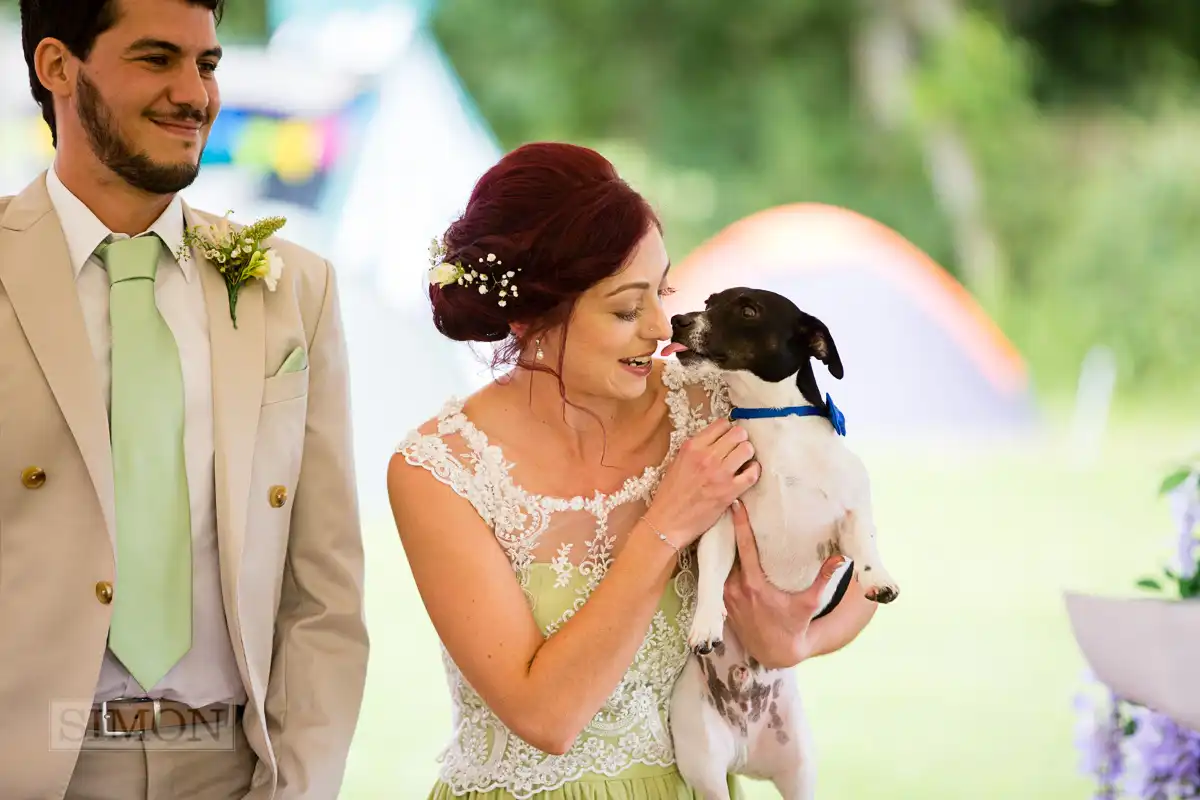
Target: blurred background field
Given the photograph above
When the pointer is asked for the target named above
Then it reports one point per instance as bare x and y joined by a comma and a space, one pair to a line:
1041, 152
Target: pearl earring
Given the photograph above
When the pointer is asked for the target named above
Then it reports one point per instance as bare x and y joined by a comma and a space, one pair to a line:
539, 355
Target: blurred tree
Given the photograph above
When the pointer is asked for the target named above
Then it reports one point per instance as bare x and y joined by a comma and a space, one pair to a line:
757, 106
957, 81
244, 20
980, 129
1107, 51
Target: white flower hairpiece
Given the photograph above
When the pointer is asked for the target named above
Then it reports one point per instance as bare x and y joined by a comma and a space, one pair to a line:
444, 273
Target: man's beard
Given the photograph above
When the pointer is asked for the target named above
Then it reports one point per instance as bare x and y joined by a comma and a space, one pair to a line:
116, 153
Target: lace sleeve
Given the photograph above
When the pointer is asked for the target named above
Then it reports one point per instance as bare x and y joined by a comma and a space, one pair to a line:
447, 452
697, 396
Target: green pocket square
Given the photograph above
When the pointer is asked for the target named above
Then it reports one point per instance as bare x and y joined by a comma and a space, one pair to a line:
295, 362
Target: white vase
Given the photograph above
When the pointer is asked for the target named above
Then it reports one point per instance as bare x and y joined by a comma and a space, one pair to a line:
1147, 651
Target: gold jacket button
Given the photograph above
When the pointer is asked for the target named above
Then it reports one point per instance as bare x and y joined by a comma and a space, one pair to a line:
278, 496
33, 477
104, 592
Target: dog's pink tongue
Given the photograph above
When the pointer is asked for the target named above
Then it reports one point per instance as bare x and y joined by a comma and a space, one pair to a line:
673, 347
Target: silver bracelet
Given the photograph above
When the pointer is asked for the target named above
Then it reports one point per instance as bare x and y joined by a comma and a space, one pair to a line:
660, 534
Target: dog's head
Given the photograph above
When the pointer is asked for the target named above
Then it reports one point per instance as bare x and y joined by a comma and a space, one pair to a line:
756, 331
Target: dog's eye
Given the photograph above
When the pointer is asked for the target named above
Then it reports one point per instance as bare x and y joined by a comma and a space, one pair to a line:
749, 312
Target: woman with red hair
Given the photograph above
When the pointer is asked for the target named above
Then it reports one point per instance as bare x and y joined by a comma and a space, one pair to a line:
551, 522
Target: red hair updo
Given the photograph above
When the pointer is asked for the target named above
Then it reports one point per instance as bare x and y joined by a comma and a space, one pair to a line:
556, 216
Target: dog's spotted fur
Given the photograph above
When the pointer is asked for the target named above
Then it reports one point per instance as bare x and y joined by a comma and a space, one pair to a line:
743, 692
729, 714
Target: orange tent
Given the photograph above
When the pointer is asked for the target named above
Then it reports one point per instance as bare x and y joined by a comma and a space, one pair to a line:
919, 352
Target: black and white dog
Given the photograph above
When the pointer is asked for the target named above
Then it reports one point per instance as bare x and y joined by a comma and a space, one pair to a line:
728, 713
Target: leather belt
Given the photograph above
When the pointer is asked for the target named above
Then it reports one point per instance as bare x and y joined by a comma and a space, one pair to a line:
130, 717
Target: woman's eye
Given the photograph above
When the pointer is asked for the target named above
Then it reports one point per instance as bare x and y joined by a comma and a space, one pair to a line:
629, 316
666, 291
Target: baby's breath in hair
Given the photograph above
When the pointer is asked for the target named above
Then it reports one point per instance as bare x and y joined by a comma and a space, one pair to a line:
492, 278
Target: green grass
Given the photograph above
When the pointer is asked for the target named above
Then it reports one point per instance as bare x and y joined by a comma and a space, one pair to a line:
960, 689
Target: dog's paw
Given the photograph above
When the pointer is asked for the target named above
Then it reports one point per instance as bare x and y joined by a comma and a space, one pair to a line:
708, 628
878, 585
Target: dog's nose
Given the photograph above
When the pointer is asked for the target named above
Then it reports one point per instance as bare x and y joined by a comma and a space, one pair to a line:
682, 321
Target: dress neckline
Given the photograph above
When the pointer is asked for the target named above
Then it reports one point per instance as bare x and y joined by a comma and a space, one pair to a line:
633, 486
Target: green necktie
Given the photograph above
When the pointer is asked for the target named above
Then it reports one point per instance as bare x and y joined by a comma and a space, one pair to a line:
152, 606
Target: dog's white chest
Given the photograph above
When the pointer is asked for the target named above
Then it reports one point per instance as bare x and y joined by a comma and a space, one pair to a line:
798, 504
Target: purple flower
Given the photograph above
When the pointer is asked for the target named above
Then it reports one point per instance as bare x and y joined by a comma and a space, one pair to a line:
1185, 508
1098, 737
1129, 750
1164, 758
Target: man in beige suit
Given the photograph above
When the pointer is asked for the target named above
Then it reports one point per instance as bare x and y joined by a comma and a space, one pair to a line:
235, 666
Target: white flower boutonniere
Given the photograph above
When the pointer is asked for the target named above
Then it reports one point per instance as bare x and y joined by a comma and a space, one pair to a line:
239, 255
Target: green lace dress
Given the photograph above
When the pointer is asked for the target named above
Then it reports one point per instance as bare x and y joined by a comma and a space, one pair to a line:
560, 549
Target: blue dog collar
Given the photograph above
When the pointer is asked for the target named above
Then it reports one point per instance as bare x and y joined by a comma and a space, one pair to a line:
835, 415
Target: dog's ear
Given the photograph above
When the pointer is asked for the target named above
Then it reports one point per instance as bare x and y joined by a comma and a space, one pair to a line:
816, 338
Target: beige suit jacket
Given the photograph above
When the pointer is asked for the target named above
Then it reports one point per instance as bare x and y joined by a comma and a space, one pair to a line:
296, 619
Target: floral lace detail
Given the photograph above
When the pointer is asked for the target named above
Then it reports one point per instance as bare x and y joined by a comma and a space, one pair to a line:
632, 727
563, 566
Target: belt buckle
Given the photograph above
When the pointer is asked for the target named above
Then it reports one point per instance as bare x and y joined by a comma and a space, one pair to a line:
105, 715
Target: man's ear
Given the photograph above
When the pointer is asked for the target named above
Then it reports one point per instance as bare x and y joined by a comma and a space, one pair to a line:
55, 67
813, 335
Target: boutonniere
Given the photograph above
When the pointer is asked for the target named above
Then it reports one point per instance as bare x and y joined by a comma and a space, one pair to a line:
239, 255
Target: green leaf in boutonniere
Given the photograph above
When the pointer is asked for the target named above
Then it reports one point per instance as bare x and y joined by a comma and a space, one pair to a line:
238, 255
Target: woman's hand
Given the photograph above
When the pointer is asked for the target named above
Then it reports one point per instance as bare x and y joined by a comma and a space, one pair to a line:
702, 481
771, 624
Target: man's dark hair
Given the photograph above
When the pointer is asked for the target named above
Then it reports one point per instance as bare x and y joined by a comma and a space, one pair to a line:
77, 24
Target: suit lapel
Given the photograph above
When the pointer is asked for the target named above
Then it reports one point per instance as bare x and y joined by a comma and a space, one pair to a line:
35, 269
237, 379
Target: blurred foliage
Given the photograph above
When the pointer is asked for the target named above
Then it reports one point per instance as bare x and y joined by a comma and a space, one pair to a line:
241, 22
1103, 52
1124, 267
756, 109
1077, 114
244, 22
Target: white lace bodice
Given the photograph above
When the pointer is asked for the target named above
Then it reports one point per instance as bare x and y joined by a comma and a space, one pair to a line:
560, 550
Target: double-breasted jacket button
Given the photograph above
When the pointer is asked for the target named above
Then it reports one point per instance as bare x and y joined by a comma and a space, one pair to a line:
104, 592
277, 496
33, 477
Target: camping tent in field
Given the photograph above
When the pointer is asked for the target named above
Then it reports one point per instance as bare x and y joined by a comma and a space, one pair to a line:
920, 355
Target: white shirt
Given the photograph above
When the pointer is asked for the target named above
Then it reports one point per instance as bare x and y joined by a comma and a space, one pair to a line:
208, 672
